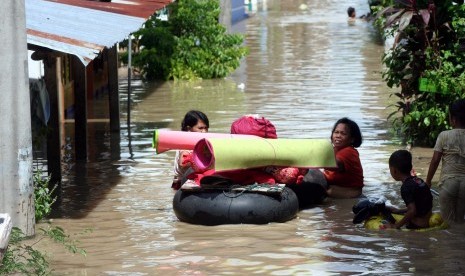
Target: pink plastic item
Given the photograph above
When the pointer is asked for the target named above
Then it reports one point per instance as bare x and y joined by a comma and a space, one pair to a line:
164, 140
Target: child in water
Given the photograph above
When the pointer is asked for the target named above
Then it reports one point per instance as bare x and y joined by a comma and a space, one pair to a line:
194, 121
415, 193
450, 148
352, 15
346, 181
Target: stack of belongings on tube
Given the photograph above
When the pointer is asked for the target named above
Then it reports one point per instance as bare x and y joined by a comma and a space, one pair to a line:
252, 155
260, 127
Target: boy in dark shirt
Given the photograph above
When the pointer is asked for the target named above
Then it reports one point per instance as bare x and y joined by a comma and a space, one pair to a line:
414, 191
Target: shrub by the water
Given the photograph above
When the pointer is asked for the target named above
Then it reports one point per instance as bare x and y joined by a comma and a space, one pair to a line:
190, 44
21, 256
430, 47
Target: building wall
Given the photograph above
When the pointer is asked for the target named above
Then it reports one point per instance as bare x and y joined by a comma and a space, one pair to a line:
237, 11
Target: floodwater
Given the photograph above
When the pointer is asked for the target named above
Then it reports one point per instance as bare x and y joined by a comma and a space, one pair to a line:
306, 69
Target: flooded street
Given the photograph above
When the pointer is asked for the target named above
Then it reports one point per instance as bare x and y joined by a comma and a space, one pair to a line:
306, 69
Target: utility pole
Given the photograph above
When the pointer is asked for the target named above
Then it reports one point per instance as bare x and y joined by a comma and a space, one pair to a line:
16, 183
225, 14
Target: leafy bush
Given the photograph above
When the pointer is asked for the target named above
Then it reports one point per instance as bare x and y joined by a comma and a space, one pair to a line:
191, 44
429, 46
21, 256
43, 195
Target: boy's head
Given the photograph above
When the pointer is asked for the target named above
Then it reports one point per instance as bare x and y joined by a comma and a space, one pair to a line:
400, 164
351, 12
457, 113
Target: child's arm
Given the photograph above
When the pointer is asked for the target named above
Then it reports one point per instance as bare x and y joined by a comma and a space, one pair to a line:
433, 166
395, 210
408, 216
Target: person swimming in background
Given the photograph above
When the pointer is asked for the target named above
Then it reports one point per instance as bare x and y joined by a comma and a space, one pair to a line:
351, 12
352, 16
194, 121
345, 181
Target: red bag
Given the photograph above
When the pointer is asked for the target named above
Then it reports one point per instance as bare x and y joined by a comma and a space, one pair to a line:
254, 126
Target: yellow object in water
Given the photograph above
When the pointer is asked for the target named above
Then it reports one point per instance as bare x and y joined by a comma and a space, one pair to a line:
435, 222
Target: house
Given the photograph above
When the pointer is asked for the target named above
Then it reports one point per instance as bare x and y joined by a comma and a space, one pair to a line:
76, 42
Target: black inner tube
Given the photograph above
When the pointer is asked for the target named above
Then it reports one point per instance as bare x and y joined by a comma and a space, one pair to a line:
214, 207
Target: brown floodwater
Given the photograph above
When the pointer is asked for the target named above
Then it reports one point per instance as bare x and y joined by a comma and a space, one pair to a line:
306, 69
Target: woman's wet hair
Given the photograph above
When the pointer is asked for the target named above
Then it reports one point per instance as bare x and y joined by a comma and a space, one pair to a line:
192, 118
457, 110
355, 132
401, 160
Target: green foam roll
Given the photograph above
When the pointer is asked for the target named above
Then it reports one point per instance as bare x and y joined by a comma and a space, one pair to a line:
234, 154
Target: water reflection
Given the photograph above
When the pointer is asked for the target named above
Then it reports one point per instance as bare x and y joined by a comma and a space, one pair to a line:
306, 69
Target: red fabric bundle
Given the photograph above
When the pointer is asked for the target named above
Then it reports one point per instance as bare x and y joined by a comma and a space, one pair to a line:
254, 125
287, 175
258, 126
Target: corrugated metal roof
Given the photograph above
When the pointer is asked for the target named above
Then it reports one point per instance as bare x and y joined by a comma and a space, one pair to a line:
84, 28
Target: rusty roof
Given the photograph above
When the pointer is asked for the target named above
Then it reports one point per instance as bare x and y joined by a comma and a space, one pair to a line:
84, 27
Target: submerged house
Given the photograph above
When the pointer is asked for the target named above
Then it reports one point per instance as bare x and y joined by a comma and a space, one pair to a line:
76, 42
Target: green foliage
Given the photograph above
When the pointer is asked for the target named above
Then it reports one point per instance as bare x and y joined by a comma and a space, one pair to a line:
446, 67
58, 235
191, 44
379, 8
154, 59
21, 255
427, 120
430, 43
43, 195
22, 258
